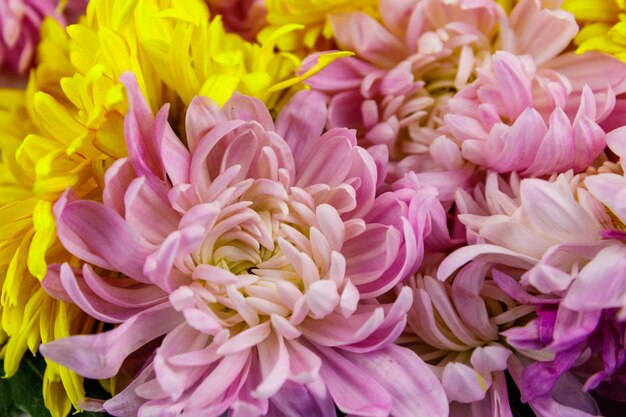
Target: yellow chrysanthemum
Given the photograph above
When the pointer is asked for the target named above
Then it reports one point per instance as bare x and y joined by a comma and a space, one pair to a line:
313, 15
604, 27
67, 128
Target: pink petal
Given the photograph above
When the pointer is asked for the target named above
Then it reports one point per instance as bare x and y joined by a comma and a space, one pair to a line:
341, 75
610, 189
490, 358
541, 32
218, 382
326, 163
362, 34
414, 388
311, 400
301, 123
98, 235
147, 210
101, 355
203, 114
353, 390
371, 253
600, 284
175, 157
275, 365
462, 383
305, 364
485, 253
117, 179
139, 130
249, 109
88, 301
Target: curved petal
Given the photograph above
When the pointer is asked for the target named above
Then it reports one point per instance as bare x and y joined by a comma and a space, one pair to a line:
99, 235
414, 389
139, 130
302, 122
101, 355
361, 33
484, 253
353, 390
310, 400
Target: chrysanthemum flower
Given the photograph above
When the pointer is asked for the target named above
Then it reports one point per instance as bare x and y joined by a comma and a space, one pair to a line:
514, 119
19, 31
397, 88
552, 246
458, 327
258, 252
67, 129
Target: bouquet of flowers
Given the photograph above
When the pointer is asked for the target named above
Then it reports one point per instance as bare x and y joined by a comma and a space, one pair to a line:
313, 208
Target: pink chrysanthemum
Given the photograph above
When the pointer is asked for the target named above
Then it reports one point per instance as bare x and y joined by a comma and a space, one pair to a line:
455, 327
513, 119
397, 89
553, 246
257, 252
19, 31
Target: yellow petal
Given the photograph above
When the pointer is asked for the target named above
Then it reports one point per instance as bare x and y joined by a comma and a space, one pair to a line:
45, 234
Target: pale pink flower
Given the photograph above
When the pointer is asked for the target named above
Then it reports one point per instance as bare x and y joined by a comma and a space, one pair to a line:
397, 89
19, 31
513, 118
257, 251
454, 326
245, 17
551, 245
394, 92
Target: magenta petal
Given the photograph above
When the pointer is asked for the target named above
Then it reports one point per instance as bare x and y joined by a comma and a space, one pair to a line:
100, 356
547, 405
573, 327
